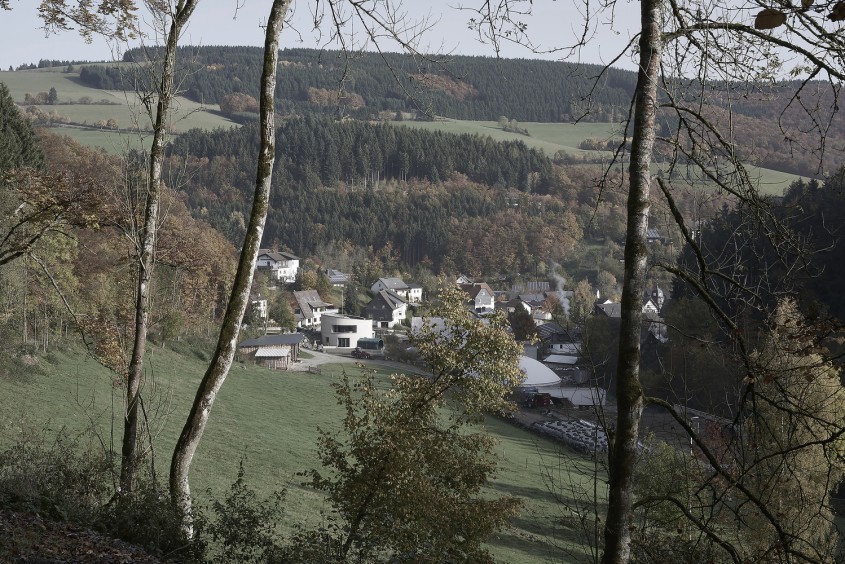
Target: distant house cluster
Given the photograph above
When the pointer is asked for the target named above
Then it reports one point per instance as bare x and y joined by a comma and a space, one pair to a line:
393, 302
652, 305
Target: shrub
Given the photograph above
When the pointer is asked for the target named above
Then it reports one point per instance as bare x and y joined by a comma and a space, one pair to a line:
70, 479
244, 528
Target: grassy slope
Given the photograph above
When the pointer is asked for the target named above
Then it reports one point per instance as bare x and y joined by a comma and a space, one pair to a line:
271, 419
187, 114
566, 137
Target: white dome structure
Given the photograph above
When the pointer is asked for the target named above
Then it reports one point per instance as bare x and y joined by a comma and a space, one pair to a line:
537, 374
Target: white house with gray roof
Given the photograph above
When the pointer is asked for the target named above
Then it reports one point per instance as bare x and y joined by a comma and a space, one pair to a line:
412, 294
282, 266
309, 307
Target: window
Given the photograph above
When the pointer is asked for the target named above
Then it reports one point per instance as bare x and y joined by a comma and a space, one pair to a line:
343, 342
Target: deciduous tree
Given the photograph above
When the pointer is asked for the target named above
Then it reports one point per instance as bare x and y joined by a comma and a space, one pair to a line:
406, 473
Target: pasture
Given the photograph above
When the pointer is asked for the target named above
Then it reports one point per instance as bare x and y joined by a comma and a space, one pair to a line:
270, 420
101, 105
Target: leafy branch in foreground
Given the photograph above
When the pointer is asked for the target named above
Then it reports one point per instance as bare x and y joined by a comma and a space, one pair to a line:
407, 473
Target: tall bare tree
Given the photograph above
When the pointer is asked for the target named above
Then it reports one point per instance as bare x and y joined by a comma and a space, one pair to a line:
629, 393
178, 16
221, 361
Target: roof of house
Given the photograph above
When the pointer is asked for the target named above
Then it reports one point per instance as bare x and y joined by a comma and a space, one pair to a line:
336, 276
273, 340
272, 352
610, 309
653, 233
536, 373
277, 255
307, 300
475, 288
393, 283
560, 359
533, 286
550, 330
391, 298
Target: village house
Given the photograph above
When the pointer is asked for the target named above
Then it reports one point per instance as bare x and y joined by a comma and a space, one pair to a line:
541, 305
281, 266
308, 308
412, 294
386, 309
344, 331
481, 296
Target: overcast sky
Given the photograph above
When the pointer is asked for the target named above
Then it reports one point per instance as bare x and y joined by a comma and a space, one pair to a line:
553, 24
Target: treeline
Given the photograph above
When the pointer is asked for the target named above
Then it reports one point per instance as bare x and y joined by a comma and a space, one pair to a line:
314, 151
790, 253
478, 88
49, 63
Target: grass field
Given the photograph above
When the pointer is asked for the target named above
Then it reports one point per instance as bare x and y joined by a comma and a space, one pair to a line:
549, 137
271, 419
125, 108
566, 137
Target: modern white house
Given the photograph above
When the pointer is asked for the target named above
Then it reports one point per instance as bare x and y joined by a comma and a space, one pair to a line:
282, 266
343, 331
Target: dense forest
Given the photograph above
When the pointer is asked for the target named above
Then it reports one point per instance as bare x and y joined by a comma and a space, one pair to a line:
373, 186
477, 88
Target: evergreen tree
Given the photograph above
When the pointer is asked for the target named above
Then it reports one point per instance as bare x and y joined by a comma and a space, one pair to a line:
19, 147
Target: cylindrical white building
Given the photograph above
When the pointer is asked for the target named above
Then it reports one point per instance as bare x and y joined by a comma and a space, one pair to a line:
343, 331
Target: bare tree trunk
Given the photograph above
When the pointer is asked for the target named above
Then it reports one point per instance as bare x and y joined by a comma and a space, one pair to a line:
218, 369
146, 241
623, 452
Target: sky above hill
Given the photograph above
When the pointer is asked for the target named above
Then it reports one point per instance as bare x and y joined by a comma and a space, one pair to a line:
552, 26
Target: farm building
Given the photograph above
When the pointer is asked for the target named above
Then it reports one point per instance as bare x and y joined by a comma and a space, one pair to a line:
277, 352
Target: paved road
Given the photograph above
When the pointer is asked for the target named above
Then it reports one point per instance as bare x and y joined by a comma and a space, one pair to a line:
320, 358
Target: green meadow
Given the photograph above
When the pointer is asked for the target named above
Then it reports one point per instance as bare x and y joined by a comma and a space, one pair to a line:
124, 107
270, 420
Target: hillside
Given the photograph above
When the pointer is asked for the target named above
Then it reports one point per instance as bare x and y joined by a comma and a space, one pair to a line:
269, 420
770, 126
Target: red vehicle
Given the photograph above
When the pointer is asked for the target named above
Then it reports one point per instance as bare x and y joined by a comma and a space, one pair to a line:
535, 399
358, 353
